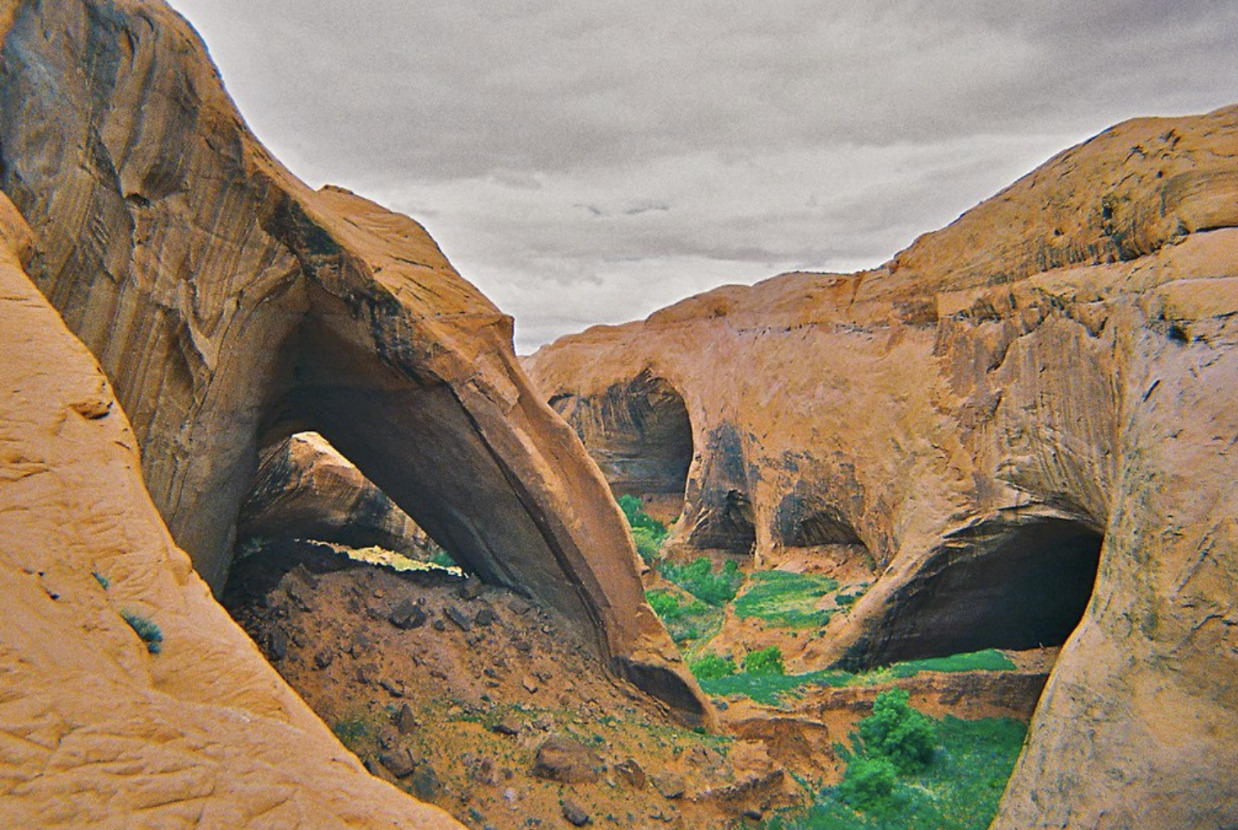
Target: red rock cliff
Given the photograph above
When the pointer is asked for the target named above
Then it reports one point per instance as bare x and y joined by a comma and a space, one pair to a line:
1024, 421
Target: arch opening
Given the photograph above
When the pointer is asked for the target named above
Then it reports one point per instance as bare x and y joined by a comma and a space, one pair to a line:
727, 524
1013, 585
640, 435
305, 489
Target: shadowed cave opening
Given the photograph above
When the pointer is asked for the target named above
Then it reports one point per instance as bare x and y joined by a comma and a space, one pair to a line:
640, 435
1008, 585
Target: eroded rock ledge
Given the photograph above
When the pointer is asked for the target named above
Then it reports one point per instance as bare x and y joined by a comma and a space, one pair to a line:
1024, 420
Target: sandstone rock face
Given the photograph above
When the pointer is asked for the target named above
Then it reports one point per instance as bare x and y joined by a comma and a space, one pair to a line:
99, 730
1023, 422
231, 307
307, 490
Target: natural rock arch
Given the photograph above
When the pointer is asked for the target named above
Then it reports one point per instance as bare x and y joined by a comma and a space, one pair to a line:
306, 490
230, 304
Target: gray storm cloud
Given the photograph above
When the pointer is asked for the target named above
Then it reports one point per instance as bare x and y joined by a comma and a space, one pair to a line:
590, 162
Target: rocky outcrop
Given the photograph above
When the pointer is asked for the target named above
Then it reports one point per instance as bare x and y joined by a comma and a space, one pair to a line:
231, 307
307, 490
129, 696
1023, 422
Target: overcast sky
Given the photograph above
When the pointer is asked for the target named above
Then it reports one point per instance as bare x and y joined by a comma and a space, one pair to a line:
586, 162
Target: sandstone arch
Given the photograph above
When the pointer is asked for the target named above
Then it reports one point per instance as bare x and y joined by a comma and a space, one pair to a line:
1045, 356
230, 304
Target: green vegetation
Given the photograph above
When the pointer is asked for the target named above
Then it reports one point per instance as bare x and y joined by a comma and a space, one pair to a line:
767, 689
711, 666
765, 662
442, 558
352, 732
647, 532
150, 633
690, 621
787, 599
898, 732
868, 784
988, 660
958, 790
101, 579
844, 600
699, 578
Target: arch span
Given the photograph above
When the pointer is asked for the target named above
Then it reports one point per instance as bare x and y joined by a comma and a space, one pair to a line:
228, 302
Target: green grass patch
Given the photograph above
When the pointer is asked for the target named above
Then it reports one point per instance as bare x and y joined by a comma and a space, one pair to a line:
716, 587
764, 662
711, 666
686, 621
959, 790
786, 599
768, 689
988, 660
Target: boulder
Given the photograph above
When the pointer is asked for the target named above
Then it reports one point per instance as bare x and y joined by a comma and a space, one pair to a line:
566, 760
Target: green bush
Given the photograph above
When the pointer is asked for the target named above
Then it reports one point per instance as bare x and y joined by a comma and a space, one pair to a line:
699, 579
648, 544
647, 532
868, 783
712, 666
688, 621
664, 604
960, 790
765, 662
150, 633
897, 731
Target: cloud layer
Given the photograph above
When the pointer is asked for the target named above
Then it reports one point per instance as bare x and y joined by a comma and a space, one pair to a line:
588, 162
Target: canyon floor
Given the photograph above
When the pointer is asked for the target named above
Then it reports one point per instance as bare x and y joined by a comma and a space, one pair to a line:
476, 699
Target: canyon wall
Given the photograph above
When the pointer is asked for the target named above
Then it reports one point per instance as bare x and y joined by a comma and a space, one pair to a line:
1023, 424
231, 306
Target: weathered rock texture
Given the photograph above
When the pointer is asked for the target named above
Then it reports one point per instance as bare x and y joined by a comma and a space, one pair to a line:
307, 490
97, 730
231, 306
1024, 417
